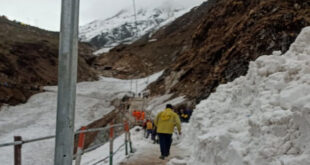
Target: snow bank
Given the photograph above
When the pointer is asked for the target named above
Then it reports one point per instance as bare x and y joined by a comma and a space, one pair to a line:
262, 118
157, 104
37, 117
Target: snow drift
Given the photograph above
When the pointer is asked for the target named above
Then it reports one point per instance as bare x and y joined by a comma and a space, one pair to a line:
262, 118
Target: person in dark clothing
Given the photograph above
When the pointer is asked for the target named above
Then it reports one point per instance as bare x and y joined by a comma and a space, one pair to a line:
149, 128
165, 141
144, 128
154, 136
189, 111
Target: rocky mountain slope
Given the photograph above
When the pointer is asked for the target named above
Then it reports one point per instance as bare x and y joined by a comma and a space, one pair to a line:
231, 34
122, 27
152, 53
211, 45
28, 60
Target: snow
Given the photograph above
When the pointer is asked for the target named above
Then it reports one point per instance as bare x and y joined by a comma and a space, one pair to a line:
102, 50
158, 103
145, 19
262, 118
121, 28
144, 151
37, 117
140, 144
98, 154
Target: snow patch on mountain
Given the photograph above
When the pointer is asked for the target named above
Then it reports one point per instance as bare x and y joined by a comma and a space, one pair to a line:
262, 118
125, 28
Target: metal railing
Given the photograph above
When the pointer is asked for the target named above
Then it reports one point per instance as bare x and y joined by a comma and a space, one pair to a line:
18, 142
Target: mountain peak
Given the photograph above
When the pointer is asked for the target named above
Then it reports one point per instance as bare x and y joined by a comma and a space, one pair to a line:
123, 27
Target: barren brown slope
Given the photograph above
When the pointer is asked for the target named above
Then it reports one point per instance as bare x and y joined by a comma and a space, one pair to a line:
155, 53
29, 59
233, 33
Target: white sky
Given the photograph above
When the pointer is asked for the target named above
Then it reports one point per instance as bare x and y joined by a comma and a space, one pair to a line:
46, 13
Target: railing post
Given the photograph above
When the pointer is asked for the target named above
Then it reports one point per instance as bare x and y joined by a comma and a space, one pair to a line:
80, 147
126, 128
111, 142
18, 151
129, 139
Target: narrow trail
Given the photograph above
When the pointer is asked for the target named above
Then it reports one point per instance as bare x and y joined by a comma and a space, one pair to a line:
149, 155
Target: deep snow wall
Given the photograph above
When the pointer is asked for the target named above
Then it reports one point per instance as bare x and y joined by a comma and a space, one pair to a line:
262, 118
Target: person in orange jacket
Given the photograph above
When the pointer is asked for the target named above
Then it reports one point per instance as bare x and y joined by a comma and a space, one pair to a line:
142, 115
134, 113
138, 115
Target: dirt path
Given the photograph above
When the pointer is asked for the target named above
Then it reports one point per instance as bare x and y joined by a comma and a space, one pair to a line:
149, 155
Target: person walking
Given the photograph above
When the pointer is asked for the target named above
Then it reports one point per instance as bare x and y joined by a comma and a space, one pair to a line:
144, 128
142, 115
184, 116
149, 128
154, 135
138, 115
165, 122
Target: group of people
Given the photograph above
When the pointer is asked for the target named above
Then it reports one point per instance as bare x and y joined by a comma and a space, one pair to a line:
138, 115
162, 128
184, 114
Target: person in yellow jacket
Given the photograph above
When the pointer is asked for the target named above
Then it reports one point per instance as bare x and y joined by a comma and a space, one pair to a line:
149, 128
184, 116
165, 122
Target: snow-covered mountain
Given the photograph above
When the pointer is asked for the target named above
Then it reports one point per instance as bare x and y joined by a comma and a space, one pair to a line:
125, 28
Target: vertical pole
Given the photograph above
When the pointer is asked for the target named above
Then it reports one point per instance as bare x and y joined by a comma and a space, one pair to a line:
67, 76
80, 147
137, 87
111, 143
135, 14
130, 143
18, 151
130, 85
126, 128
